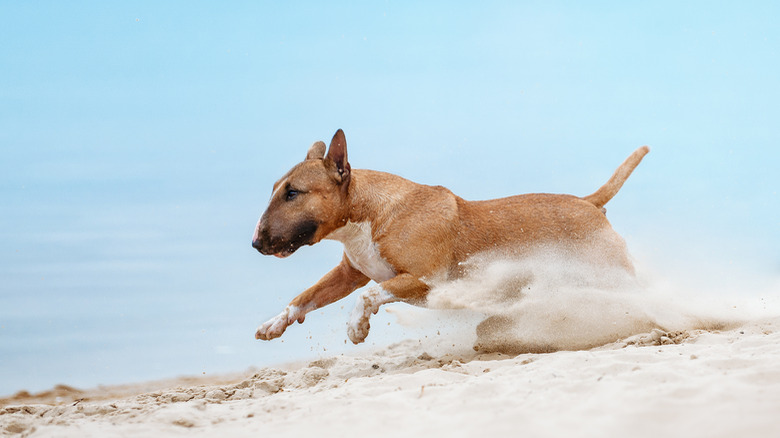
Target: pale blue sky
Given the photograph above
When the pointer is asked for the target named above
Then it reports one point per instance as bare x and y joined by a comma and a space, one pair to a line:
139, 142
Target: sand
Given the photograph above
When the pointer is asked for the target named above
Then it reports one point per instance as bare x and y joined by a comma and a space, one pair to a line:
688, 383
567, 351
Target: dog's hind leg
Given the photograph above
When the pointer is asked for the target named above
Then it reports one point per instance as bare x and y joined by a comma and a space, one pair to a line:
403, 287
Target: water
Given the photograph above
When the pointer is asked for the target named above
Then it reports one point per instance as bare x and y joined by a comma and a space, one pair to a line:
102, 292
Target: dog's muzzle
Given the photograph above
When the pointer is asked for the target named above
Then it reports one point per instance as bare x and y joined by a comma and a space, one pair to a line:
277, 252
280, 246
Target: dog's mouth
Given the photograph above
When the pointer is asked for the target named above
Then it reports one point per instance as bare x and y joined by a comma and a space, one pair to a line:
285, 253
280, 252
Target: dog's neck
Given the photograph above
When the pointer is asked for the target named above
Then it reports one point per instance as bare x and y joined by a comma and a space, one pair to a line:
374, 196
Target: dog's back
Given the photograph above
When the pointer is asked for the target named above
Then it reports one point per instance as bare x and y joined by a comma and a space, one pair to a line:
518, 224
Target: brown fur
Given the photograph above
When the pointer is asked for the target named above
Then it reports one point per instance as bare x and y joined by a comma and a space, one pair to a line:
423, 232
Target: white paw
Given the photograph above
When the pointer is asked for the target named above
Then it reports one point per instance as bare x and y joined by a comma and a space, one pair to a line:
357, 333
358, 326
274, 327
367, 303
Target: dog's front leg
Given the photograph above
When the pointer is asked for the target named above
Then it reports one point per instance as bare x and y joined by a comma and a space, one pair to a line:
403, 287
335, 285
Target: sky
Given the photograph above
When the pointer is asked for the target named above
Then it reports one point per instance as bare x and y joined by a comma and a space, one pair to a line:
140, 141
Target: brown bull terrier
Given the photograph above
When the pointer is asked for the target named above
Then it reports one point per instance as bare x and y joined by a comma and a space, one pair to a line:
405, 235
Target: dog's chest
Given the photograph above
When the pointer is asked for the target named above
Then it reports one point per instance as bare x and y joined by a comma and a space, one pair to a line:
362, 251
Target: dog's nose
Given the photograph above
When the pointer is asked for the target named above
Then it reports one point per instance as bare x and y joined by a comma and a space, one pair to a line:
257, 244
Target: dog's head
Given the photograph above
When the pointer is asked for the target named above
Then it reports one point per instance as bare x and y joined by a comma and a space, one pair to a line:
308, 202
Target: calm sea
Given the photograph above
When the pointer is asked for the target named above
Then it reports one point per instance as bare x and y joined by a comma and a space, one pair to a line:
98, 291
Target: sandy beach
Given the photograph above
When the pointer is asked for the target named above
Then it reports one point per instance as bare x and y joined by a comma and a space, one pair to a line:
686, 383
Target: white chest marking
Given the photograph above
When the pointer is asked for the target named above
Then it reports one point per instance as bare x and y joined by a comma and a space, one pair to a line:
362, 251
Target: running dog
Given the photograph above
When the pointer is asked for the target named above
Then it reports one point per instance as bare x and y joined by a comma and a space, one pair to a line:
404, 235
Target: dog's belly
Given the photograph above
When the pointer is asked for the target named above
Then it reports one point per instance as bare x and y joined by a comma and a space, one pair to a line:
362, 251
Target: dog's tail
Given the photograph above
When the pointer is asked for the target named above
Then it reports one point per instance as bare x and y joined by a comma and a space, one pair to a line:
601, 196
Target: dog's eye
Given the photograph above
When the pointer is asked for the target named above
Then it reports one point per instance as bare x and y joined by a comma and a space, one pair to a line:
291, 194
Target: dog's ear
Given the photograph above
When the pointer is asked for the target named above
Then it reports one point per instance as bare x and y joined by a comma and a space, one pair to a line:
337, 153
316, 151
